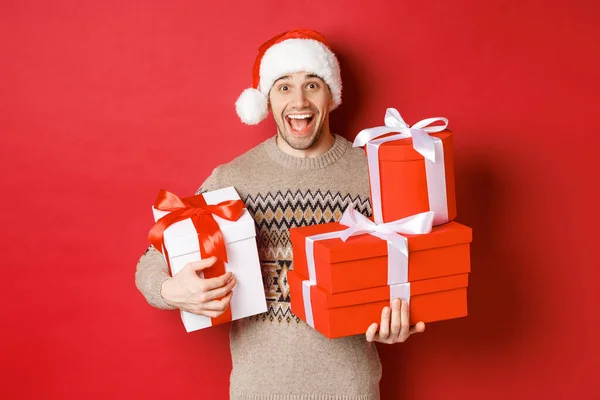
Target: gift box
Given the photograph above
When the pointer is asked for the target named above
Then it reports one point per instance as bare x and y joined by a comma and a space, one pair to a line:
351, 313
412, 171
345, 273
363, 261
213, 223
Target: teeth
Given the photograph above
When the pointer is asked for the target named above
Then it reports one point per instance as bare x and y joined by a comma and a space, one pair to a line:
299, 116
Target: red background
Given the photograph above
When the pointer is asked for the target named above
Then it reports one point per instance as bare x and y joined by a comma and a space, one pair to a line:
103, 103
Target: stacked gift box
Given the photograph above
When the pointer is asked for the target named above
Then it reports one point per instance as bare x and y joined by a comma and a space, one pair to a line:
345, 273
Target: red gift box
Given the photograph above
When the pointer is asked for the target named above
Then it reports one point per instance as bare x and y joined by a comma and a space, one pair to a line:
410, 172
345, 273
362, 261
351, 313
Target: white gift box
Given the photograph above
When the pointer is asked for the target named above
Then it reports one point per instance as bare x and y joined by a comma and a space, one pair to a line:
181, 242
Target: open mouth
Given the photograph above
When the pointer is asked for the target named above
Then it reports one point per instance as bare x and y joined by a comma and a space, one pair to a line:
300, 124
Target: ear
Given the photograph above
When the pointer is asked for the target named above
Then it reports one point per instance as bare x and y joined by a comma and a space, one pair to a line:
269, 100
331, 103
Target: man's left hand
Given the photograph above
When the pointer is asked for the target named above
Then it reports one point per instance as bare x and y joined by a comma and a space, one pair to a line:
395, 329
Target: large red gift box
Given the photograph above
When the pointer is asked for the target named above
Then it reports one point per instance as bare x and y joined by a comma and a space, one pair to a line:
345, 273
361, 261
351, 313
410, 172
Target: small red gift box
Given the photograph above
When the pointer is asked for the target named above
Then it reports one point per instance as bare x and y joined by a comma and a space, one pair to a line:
351, 313
410, 172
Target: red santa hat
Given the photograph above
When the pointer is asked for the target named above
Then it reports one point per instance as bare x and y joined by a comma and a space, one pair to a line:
298, 50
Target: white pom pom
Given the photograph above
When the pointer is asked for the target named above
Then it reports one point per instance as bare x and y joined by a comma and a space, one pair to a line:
252, 106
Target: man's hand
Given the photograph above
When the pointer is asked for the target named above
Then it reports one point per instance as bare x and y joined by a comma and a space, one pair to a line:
396, 331
188, 292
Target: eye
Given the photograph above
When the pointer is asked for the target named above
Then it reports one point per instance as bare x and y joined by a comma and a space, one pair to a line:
313, 85
284, 88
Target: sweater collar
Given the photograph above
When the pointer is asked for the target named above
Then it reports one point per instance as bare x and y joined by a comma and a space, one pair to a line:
340, 146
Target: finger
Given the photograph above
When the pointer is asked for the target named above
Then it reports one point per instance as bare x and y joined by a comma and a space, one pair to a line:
212, 314
396, 324
202, 264
404, 320
384, 327
418, 328
218, 305
218, 282
220, 292
371, 332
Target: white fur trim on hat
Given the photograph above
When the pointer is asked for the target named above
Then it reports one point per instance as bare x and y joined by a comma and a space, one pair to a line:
284, 58
301, 55
252, 106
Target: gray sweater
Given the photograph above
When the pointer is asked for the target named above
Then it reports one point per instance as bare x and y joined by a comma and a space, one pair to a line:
275, 355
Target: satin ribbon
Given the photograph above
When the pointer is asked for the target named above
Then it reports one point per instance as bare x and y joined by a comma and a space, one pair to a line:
400, 291
312, 272
429, 147
391, 232
201, 214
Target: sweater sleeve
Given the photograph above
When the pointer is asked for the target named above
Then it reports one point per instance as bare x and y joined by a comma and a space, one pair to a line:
152, 270
150, 274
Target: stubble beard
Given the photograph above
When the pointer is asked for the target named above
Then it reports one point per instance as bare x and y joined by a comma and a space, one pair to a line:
301, 144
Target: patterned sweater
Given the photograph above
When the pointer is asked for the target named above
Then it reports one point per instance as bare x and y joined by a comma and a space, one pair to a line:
275, 355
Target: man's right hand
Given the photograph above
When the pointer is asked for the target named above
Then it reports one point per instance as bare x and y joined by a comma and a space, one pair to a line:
188, 292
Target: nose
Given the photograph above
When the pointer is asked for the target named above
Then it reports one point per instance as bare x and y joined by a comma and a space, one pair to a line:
299, 99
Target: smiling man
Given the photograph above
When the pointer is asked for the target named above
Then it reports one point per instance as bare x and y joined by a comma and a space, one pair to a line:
300, 103
303, 175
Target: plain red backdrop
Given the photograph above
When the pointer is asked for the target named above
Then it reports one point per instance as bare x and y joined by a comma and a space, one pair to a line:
104, 102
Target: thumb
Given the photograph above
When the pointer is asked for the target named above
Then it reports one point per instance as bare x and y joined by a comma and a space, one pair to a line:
203, 264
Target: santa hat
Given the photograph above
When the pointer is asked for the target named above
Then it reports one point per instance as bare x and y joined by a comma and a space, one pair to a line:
298, 50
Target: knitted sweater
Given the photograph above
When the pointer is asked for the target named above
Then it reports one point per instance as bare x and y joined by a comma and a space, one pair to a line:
275, 355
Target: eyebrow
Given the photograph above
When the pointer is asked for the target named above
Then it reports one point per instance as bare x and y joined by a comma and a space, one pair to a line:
283, 77
290, 77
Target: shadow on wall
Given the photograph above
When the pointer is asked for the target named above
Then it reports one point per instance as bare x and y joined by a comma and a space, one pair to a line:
345, 120
496, 323
496, 296
497, 288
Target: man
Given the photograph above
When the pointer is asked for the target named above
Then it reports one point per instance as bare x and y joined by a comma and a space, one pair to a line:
304, 175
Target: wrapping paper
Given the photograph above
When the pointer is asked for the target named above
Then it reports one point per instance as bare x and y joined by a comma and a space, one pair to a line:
362, 261
410, 172
351, 313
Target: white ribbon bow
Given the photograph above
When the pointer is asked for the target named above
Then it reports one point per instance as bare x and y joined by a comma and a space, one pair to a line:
397, 244
430, 147
422, 142
391, 232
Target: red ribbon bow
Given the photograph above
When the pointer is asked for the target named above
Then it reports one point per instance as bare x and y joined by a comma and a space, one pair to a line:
210, 236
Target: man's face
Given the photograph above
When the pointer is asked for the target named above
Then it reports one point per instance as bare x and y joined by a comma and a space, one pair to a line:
300, 104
